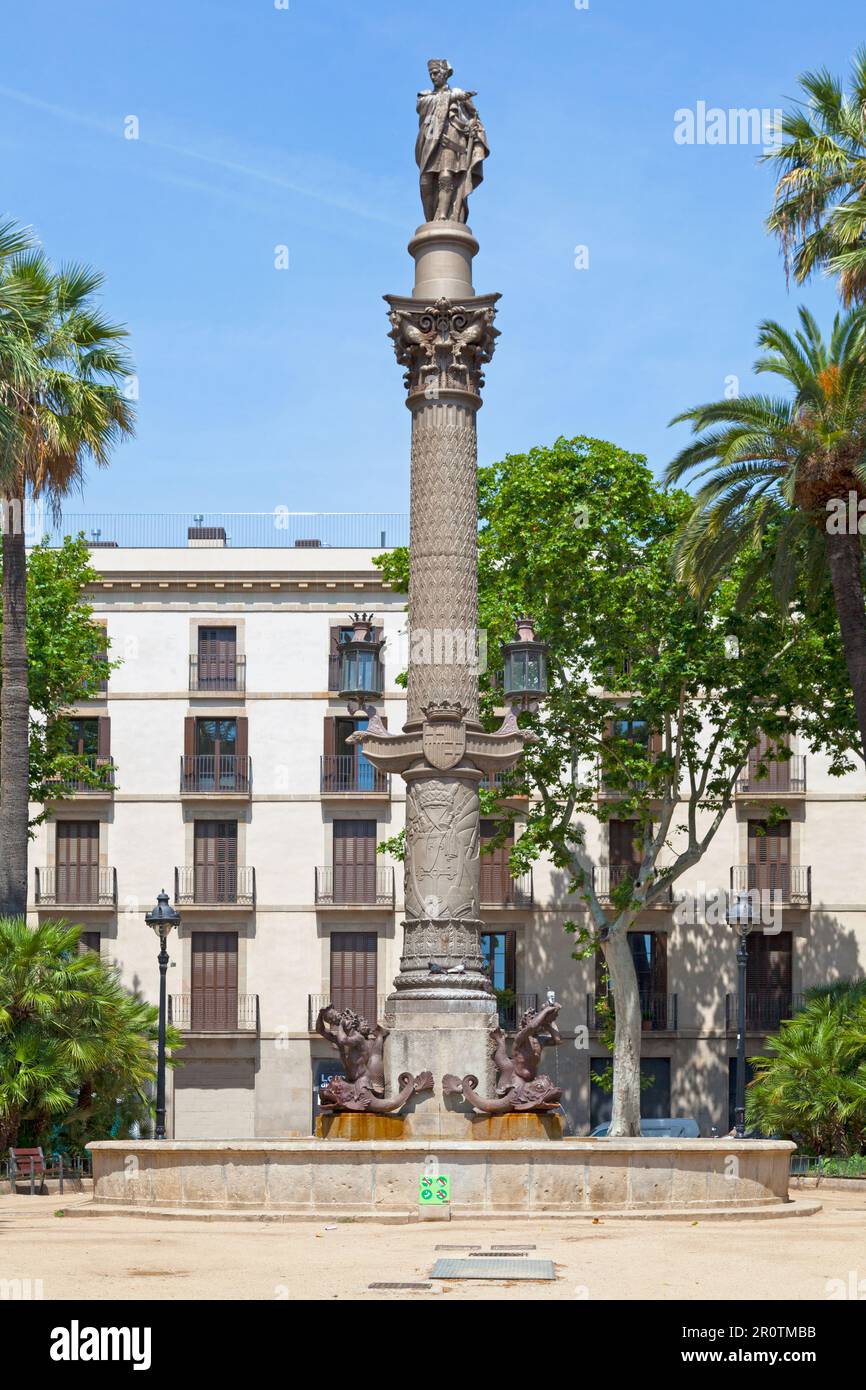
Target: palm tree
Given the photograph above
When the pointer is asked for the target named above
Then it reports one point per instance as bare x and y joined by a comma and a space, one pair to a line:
775, 473
819, 214
61, 364
70, 1034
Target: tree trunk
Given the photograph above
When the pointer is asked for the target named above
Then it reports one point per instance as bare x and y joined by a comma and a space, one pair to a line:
625, 1113
845, 560
14, 721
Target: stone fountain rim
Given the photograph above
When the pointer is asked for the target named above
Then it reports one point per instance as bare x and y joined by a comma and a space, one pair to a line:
724, 1145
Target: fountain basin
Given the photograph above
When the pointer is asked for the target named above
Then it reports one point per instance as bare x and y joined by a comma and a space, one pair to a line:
361, 1178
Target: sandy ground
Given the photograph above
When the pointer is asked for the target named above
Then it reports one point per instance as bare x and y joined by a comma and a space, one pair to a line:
127, 1258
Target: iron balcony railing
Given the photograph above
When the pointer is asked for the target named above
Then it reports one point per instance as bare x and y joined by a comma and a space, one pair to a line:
347, 773
607, 878
763, 777
76, 885
765, 1009
512, 1010
99, 783
242, 530
498, 781
205, 772
366, 1003
499, 889
757, 888
214, 1011
214, 884
659, 1012
217, 673
355, 885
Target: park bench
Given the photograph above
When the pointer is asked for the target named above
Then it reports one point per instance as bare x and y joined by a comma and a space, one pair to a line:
29, 1165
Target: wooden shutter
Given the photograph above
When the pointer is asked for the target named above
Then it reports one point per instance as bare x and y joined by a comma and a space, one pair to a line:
354, 972
90, 941
496, 881
77, 861
242, 748
214, 981
216, 861
103, 738
623, 849
354, 861
770, 856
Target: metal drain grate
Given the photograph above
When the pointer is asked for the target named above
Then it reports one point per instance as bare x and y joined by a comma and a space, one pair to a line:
495, 1254
398, 1286
497, 1267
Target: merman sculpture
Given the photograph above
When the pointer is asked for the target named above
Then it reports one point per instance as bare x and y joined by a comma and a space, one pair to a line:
518, 1085
361, 1048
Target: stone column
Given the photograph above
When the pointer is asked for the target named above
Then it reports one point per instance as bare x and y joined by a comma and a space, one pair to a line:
443, 1005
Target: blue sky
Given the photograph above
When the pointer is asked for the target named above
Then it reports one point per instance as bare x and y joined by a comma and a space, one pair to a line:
262, 127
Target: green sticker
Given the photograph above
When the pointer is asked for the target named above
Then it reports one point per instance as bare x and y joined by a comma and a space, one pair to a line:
434, 1191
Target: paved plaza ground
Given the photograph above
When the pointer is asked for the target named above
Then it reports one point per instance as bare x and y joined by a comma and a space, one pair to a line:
132, 1258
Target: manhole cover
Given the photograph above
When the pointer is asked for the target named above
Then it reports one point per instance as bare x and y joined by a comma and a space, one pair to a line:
495, 1268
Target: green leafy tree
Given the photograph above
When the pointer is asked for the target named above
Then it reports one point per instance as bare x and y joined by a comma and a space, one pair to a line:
656, 697
819, 213
68, 661
73, 1041
811, 1085
775, 478
62, 372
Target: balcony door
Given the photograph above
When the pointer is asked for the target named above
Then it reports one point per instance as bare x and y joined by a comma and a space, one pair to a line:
214, 981
345, 767
216, 754
77, 861
216, 861
770, 857
354, 861
217, 658
769, 979
649, 951
354, 972
496, 882
777, 777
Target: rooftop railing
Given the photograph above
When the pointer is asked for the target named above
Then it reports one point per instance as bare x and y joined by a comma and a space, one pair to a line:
279, 529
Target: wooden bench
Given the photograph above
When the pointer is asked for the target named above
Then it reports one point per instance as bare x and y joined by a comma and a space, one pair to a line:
27, 1163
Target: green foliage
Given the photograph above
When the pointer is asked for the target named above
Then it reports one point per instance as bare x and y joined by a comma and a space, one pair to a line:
67, 656
76, 1048
819, 213
811, 1085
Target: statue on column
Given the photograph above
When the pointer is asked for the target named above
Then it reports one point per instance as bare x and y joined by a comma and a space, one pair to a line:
451, 146
361, 1048
518, 1085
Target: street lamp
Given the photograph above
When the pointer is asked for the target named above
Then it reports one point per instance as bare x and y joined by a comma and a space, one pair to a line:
740, 916
525, 668
361, 665
162, 919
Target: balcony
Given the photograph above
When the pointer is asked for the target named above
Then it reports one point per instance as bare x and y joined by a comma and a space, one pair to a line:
769, 778
100, 782
366, 1003
212, 1012
756, 889
495, 781
355, 885
215, 885
212, 674
345, 774
76, 885
204, 774
765, 1009
659, 1012
512, 1010
499, 889
606, 879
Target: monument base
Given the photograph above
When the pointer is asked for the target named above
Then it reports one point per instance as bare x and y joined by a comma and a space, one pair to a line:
359, 1125
442, 1035
527, 1124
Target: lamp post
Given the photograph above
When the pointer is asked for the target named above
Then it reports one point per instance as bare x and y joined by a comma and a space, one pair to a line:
742, 921
161, 919
525, 668
361, 666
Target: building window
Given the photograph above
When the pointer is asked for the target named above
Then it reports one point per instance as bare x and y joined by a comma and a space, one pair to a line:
215, 755
354, 972
655, 1100
649, 950
77, 862
214, 981
354, 866
216, 666
216, 861
90, 941
499, 949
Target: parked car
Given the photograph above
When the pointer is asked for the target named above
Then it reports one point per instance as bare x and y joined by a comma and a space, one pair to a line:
670, 1128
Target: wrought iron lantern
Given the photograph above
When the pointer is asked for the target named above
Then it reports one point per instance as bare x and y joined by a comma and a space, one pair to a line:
361, 676
162, 918
525, 674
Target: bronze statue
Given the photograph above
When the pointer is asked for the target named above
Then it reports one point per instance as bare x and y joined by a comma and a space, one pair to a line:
361, 1048
518, 1085
451, 146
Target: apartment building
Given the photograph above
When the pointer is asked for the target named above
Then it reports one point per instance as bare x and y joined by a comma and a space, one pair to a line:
223, 773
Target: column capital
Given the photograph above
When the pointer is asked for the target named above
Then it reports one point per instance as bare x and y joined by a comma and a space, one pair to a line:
443, 345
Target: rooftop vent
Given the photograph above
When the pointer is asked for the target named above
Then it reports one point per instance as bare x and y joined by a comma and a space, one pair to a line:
308, 545
207, 537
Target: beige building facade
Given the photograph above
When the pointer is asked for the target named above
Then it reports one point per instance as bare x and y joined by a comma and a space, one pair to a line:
225, 777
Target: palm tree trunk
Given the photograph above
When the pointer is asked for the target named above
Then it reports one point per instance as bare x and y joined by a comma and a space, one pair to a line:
845, 560
625, 1112
14, 719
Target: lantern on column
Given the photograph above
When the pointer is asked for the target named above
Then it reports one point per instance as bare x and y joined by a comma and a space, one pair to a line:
525, 673
361, 674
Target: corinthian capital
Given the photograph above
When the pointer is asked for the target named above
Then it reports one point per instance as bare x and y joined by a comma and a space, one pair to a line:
443, 345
